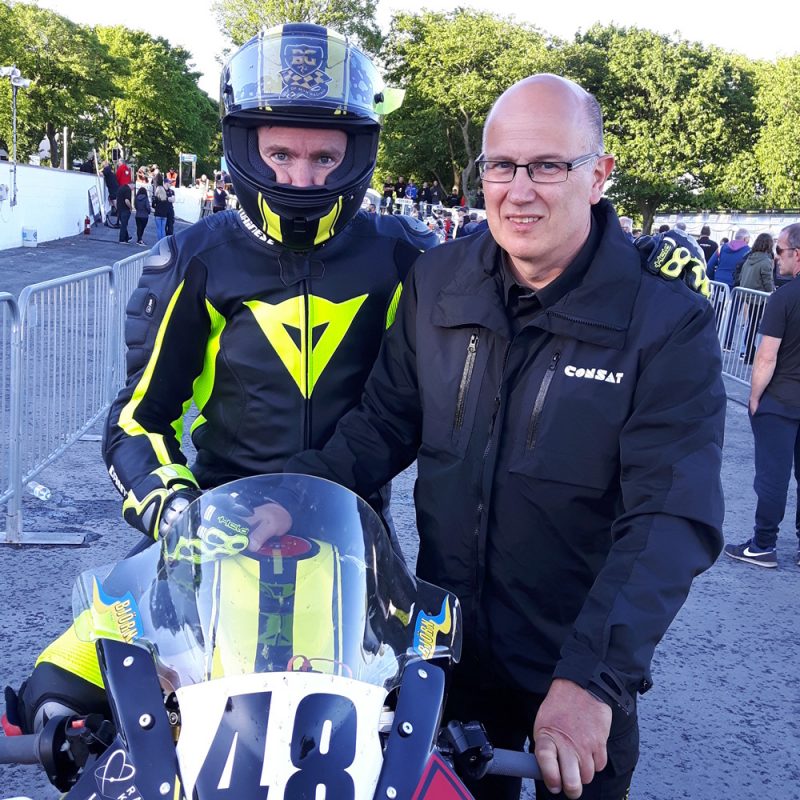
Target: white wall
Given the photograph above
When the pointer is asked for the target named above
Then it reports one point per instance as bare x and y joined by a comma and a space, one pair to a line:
188, 203
53, 201
726, 224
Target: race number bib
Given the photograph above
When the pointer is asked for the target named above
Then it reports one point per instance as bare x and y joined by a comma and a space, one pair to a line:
295, 734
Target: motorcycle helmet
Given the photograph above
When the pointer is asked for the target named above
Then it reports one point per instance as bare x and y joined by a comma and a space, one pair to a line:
305, 76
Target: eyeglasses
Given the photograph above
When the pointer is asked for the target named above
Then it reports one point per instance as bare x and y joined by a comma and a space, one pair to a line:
538, 171
781, 250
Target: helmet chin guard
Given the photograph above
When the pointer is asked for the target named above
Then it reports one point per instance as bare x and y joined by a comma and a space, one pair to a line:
300, 76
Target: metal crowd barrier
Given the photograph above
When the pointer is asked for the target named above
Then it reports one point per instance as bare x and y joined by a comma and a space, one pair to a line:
9, 424
737, 329
62, 362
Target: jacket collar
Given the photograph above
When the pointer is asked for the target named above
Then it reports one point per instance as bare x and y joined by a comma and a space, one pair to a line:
597, 311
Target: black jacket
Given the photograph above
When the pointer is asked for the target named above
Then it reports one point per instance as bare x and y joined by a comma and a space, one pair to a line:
568, 477
272, 347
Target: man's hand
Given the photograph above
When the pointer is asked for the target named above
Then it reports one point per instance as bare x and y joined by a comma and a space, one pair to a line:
675, 255
268, 521
570, 734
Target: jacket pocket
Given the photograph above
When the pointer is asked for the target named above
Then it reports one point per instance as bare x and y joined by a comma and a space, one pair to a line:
571, 467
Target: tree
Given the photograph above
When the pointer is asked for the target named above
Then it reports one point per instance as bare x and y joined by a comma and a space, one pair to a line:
70, 73
778, 150
158, 110
453, 65
677, 115
240, 20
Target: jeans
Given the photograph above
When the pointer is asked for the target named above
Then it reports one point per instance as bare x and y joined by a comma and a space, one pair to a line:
161, 225
141, 224
776, 433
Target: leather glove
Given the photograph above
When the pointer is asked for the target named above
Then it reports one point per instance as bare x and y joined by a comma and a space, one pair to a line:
675, 255
174, 506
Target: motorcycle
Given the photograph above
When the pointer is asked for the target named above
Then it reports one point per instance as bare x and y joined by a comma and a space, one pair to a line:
238, 665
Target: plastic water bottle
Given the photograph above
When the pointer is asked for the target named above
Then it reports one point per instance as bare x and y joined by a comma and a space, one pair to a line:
38, 490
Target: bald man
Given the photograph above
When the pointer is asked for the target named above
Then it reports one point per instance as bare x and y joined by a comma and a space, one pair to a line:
565, 408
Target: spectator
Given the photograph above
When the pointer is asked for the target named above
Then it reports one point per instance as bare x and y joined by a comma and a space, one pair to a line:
569, 520
123, 174
220, 200
707, 244
680, 226
169, 229
142, 203
755, 273
452, 200
112, 187
211, 318
663, 228
371, 209
161, 210
411, 191
425, 202
472, 225
172, 176
626, 223
436, 193
775, 410
124, 208
387, 202
480, 201
461, 222
637, 232
400, 188
722, 266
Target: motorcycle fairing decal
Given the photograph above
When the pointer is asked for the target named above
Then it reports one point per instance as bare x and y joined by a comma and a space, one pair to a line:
115, 776
290, 705
428, 628
115, 617
439, 782
307, 362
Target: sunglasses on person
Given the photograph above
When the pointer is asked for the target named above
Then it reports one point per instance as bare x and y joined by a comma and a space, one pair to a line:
781, 250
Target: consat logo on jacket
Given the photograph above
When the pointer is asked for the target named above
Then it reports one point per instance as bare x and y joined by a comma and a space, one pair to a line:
593, 374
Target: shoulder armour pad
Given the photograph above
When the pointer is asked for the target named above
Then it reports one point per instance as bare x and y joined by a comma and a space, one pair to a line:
160, 256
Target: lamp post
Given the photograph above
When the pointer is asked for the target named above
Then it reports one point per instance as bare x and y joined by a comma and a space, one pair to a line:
17, 82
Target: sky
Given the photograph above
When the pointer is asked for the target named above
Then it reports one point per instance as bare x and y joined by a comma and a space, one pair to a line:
764, 33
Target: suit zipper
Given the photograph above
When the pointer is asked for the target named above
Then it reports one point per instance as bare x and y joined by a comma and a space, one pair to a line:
306, 346
466, 378
533, 425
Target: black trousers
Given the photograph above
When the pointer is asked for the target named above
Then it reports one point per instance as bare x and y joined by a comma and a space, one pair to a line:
508, 716
141, 224
124, 216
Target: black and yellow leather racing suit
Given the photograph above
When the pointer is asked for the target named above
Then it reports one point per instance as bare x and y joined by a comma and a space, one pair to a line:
272, 346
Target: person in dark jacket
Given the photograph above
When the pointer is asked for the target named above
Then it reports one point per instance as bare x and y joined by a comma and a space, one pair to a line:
218, 305
142, 203
169, 229
112, 187
707, 244
566, 410
124, 208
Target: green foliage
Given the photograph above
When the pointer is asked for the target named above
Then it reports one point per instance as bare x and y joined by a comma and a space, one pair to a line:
111, 86
676, 115
158, 110
453, 65
778, 150
70, 73
240, 20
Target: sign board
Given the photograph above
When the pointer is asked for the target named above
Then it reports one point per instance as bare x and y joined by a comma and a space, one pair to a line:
95, 207
188, 157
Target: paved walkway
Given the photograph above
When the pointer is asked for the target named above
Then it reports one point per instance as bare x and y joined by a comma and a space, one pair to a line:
23, 266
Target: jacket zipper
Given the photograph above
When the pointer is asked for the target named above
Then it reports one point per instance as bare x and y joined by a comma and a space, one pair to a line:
466, 378
305, 345
477, 587
533, 425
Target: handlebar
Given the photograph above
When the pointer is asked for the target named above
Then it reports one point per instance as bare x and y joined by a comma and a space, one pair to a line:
514, 764
20, 749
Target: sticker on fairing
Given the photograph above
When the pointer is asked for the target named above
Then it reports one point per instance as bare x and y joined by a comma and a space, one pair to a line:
114, 617
428, 628
291, 733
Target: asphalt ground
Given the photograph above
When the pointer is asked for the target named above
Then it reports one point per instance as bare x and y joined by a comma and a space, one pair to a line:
722, 720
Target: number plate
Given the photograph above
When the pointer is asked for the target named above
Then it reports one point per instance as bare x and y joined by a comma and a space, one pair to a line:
301, 734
